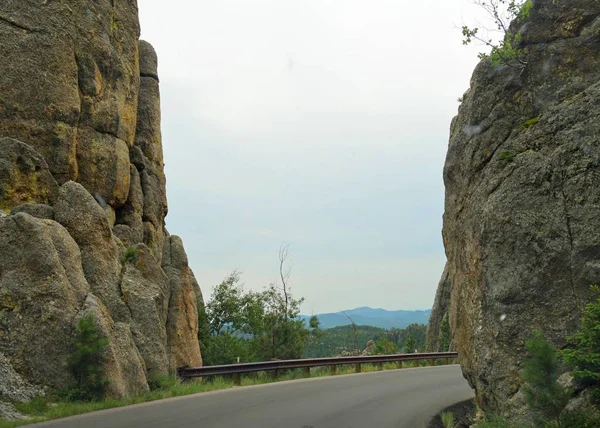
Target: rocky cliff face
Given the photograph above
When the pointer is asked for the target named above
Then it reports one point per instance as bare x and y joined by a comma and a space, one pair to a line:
522, 176
81, 184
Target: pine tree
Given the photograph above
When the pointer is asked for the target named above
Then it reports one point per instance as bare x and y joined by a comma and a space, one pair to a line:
85, 361
541, 370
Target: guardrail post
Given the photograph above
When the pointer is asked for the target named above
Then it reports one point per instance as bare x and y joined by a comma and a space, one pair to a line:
275, 374
237, 379
447, 361
306, 371
432, 362
334, 369
357, 368
379, 366
399, 364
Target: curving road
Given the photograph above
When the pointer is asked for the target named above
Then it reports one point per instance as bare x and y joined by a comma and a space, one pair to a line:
406, 398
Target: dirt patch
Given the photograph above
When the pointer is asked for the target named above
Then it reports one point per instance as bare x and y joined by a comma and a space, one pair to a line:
463, 413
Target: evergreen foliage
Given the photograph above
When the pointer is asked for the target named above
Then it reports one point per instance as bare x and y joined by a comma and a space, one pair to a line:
445, 334
583, 353
541, 369
85, 362
409, 346
336, 340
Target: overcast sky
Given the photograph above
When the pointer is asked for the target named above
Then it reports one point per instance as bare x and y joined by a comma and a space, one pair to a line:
321, 123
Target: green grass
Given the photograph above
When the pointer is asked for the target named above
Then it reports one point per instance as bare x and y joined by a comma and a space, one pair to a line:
47, 408
447, 419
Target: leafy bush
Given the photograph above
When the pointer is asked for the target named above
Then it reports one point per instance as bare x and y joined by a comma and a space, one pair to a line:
385, 347
507, 50
85, 363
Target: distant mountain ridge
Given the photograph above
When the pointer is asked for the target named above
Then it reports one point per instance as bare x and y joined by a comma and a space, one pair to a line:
373, 317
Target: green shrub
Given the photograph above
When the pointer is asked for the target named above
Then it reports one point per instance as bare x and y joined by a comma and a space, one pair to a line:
130, 255
508, 50
385, 347
85, 363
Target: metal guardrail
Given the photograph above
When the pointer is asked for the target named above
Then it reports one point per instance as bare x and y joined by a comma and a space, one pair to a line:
237, 369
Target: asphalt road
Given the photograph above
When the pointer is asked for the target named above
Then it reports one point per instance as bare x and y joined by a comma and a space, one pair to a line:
395, 398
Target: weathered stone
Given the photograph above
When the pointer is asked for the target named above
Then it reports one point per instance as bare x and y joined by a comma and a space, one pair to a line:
9, 413
130, 228
440, 309
148, 60
68, 65
146, 292
521, 202
86, 222
13, 387
35, 210
42, 287
154, 239
182, 323
123, 364
75, 85
24, 176
103, 165
148, 156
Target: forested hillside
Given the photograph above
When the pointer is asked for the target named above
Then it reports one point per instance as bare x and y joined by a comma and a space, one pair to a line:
349, 338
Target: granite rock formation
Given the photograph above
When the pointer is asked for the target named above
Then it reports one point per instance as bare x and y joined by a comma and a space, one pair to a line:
83, 199
521, 210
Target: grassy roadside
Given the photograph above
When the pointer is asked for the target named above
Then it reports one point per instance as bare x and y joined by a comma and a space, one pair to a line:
47, 408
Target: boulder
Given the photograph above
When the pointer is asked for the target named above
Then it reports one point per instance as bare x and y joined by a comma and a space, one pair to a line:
123, 364
42, 287
182, 321
24, 176
86, 222
146, 291
103, 165
35, 210
521, 204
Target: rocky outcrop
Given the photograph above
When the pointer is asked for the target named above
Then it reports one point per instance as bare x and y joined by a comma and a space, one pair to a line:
440, 309
182, 321
83, 199
521, 208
